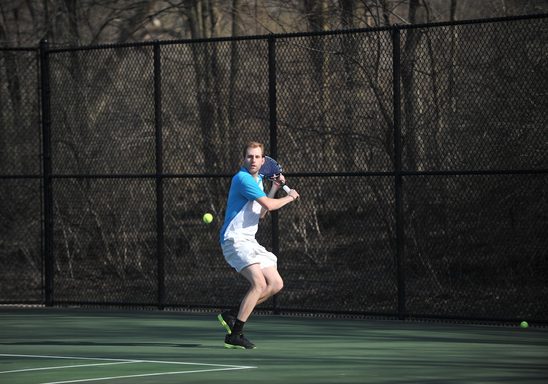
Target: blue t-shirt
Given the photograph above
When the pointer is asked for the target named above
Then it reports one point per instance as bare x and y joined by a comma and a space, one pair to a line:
242, 211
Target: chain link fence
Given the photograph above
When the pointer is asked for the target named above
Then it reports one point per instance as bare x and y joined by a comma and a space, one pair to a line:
420, 153
21, 256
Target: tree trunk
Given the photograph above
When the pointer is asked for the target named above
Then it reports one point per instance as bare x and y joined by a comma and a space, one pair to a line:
234, 64
316, 12
348, 42
205, 74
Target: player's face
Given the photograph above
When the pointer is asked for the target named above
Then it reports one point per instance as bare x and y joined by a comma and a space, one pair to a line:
253, 160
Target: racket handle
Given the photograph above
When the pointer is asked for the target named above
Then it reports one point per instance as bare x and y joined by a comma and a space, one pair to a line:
286, 188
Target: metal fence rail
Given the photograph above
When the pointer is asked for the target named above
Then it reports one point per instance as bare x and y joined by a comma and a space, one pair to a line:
420, 152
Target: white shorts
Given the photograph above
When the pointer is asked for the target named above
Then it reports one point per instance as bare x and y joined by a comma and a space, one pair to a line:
242, 253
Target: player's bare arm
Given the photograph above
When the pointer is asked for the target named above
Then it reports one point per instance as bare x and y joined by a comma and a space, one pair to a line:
270, 204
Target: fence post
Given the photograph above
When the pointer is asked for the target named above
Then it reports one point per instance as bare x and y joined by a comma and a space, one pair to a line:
273, 119
48, 256
396, 74
159, 175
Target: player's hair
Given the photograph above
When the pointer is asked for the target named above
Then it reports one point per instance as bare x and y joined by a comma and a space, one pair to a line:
254, 144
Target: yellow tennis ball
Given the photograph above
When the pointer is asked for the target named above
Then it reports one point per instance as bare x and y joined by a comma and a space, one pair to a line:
207, 218
524, 324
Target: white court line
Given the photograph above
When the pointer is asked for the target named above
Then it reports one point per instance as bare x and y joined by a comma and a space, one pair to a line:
62, 357
225, 367
145, 375
124, 360
67, 366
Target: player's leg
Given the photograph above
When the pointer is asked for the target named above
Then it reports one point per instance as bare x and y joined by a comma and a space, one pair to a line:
264, 280
257, 287
271, 285
254, 275
238, 256
274, 283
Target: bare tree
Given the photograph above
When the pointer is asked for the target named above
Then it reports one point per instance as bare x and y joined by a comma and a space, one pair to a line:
65, 22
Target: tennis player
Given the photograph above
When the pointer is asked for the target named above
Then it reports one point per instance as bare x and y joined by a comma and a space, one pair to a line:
247, 203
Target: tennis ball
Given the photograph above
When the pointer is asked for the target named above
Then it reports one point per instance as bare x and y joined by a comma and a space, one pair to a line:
524, 324
207, 218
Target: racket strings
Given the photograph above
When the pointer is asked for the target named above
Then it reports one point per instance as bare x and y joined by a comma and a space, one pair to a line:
270, 169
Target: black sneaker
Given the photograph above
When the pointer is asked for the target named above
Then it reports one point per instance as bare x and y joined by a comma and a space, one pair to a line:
238, 342
227, 320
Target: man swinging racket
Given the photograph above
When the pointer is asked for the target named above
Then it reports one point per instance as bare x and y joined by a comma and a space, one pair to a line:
247, 203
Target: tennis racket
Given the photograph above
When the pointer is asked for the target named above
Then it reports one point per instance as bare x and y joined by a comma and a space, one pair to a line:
271, 169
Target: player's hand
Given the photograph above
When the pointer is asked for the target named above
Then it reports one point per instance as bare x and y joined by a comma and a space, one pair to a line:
278, 181
294, 194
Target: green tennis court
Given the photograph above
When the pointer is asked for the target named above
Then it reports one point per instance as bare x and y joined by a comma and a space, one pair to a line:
45, 345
